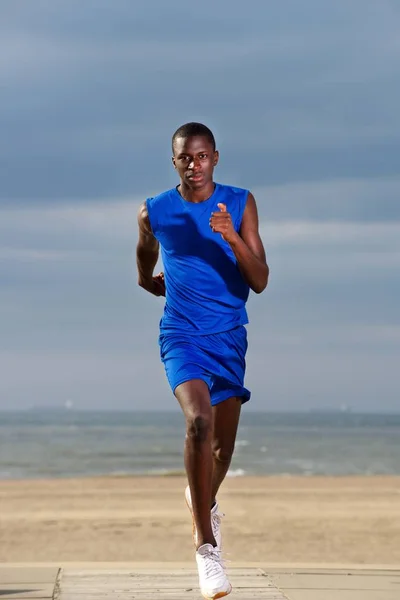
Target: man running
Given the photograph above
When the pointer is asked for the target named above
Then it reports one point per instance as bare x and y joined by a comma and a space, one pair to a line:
212, 256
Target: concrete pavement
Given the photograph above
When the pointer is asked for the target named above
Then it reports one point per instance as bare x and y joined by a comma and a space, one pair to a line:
162, 581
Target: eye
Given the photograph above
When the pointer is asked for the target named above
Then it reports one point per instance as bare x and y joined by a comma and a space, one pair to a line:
203, 156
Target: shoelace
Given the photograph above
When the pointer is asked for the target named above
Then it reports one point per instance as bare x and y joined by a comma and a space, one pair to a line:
213, 562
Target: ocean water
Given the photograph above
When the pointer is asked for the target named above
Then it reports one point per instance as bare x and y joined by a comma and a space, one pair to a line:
64, 443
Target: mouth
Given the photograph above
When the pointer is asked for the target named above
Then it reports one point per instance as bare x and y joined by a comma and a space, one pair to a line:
195, 176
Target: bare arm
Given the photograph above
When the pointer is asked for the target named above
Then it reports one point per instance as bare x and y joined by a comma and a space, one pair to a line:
246, 245
147, 250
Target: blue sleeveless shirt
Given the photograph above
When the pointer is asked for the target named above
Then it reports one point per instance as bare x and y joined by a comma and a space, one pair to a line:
205, 291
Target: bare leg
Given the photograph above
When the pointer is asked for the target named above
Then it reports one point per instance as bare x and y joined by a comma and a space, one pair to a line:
194, 398
226, 416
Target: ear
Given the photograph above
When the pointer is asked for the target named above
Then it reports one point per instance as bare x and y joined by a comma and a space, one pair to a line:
173, 162
216, 158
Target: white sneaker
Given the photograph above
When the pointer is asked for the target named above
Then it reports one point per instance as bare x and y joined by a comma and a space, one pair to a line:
216, 517
212, 578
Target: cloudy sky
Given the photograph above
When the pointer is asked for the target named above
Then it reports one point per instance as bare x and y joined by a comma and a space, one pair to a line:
303, 99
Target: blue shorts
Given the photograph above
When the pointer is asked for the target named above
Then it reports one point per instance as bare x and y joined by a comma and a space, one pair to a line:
218, 359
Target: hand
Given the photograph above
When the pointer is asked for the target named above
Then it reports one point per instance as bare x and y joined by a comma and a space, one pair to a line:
159, 285
155, 285
221, 222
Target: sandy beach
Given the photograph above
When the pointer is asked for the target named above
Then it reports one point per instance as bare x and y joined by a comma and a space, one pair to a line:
275, 519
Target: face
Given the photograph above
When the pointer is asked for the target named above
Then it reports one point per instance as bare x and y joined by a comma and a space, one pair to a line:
194, 159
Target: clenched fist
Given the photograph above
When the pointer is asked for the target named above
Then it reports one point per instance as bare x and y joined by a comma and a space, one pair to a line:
221, 222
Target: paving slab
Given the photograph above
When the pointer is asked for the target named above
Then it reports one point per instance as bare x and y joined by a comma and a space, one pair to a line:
24, 582
27, 574
151, 584
338, 584
26, 590
178, 581
341, 595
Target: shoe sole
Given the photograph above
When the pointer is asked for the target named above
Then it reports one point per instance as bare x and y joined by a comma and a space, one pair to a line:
219, 595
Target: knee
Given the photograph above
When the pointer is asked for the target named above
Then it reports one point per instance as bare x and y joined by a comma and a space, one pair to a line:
222, 454
198, 428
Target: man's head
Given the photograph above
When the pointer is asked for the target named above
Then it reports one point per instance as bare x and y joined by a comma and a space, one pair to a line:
194, 154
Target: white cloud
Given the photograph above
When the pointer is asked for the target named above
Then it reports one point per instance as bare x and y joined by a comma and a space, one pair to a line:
318, 250
317, 79
89, 379
49, 368
27, 56
306, 234
334, 199
282, 379
339, 335
113, 219
375, 31
308, 81
33, 255
62, 232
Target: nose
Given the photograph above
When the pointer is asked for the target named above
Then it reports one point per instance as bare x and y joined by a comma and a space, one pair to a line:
194, 164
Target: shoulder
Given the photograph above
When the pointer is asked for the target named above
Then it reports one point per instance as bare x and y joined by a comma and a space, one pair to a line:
143, 218
155, 207
243, 196
234, 197
154, 201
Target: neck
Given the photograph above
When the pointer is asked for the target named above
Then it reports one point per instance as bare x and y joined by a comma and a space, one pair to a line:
196, 196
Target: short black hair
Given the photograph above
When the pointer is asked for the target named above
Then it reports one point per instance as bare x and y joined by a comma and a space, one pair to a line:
191, 130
